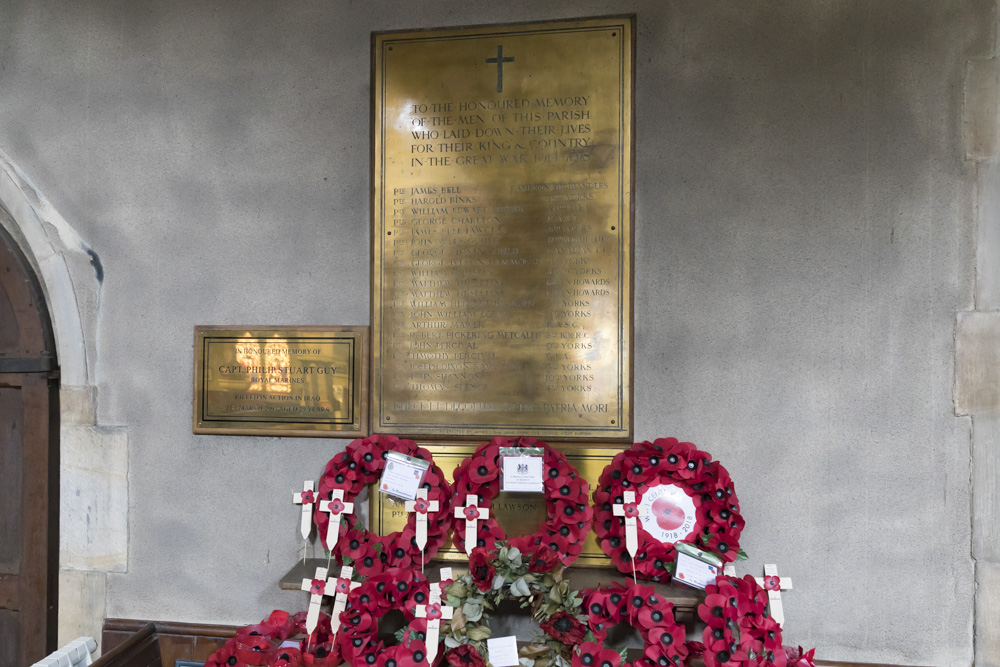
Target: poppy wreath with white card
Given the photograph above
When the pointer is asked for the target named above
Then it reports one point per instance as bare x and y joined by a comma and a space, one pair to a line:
347, 474
679, 495
645, 610
568, 511
357, 638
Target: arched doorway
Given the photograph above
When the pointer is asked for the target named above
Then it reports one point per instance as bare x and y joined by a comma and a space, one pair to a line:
29, 464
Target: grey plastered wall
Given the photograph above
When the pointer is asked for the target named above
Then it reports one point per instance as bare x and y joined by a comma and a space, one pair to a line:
805, 235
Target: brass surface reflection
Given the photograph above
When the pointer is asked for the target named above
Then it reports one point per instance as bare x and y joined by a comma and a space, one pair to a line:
517, 513
282, 381
502, 237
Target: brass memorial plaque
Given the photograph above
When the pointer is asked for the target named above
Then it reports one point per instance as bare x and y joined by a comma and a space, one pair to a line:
301, 381
502, 230
517, 513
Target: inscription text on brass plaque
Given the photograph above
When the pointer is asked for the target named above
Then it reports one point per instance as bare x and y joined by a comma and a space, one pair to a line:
305, 381
502, 230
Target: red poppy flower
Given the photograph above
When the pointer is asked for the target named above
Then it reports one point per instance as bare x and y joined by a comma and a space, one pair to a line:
343, 585
421, 505
464, 656
253, 650
592, 655
481, 568
565, 628
433, 611
542, 559
284, 656
772, 583
715, 611
631, 510
471, 512
666, 638
318, 587
482, 470
415, 655
222, 657
335, 506
724, 545
307, 497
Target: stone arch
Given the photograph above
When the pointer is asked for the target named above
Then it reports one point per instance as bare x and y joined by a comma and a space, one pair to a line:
46, 239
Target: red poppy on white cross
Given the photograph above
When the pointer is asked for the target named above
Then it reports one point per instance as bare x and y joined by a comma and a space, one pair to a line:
433, 611
317, 591
344, 586
774, 585
631, 512
472, 513
335, 507
422, 506
306, 498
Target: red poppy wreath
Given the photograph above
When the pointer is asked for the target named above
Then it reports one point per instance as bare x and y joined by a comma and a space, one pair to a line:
569, 515
353, 469
644, 609
681, 495
401, 589
739, 629
266, 644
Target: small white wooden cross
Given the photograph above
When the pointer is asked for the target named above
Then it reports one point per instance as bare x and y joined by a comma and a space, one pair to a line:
317, 591
433, 611
306, 498
342, 588
472, 513
631, 512
335, 507
774, 585
422, 506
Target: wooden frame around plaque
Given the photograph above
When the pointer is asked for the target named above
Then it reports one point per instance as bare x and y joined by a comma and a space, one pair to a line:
502, 230
306, 381
518, 513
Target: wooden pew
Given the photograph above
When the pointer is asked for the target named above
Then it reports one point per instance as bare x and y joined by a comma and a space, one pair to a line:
142, 649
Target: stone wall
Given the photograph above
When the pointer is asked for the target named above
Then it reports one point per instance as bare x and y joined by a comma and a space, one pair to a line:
806, 239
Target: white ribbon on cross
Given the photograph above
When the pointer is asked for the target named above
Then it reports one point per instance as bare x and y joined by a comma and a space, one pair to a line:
774, 596
472, 513
631, 512
317, 591
336, 508
434, 611
306, 498
422, 507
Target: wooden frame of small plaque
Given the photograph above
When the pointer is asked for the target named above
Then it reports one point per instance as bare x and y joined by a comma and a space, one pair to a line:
517, 513
502, 218
281, 381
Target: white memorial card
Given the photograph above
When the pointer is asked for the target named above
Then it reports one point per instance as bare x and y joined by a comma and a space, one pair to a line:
524, 473
402, 475
502, 651
694, 572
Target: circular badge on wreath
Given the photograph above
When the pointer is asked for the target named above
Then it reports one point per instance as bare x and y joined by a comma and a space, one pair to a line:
680, 495
351, 471
569, 515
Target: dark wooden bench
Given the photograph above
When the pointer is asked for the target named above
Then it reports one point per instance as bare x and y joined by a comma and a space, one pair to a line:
142, 649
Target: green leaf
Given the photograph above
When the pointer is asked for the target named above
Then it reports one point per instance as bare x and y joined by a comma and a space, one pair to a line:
479, 633
741, 555
706, 538
451, 642
398, 634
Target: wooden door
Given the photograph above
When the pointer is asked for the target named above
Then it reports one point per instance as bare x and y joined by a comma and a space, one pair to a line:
29, 465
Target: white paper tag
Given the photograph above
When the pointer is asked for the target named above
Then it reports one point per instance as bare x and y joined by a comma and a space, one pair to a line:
402, 475
502, 651
693, 572
524, 473
446, 574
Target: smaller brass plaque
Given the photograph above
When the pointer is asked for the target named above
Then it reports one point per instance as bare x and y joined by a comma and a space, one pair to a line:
517, 513
284, 381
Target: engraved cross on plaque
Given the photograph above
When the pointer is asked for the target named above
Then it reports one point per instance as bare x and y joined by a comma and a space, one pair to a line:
472, 513
774, 585
433, 611
335, 507
500, 60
